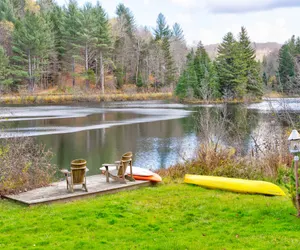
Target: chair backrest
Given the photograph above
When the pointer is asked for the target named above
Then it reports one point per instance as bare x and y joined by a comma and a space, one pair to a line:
78, 175
125, 161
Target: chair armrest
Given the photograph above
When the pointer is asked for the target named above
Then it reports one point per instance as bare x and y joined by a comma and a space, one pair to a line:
65, 171
108, 165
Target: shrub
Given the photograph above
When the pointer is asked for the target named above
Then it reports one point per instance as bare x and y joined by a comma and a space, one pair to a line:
24, 165
214, 159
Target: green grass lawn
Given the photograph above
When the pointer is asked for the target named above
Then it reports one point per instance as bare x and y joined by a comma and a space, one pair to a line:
174, 216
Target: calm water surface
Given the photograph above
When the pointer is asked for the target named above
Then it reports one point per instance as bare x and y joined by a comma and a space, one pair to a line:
160, 134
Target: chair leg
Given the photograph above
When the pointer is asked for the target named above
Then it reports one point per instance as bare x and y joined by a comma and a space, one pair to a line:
84, 185
67, 181
130, 178
122, 179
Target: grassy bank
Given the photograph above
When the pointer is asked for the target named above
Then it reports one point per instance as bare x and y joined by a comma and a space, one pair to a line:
174, 216
72, 98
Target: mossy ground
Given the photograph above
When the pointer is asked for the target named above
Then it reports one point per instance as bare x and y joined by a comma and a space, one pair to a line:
173, 216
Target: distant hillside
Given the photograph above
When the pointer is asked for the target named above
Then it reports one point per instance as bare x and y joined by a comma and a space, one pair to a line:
262, 49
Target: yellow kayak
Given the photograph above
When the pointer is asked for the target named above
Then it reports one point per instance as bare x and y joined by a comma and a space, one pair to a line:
235, 185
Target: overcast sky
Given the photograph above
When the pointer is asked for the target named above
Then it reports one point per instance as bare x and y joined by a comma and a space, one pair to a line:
209, 20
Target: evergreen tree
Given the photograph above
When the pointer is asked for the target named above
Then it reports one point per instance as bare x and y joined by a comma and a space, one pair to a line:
201, 61
103, 42
177, 32
207, 83
7, 11
33, 41
181, 89
126, 17
286, 69
226, 65
57, 18
7, 20
162, 30
248, 78
265, 78
124, 45
162, 36
169, 75
5, 71
88, 39
72, 32
188, 80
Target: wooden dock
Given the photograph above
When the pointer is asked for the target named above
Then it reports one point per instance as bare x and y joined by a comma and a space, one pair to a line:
57, 192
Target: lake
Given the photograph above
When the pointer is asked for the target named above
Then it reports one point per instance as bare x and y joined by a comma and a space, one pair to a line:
158, 133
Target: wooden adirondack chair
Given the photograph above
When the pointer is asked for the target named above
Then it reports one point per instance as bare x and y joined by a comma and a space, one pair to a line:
77, 176
119, 173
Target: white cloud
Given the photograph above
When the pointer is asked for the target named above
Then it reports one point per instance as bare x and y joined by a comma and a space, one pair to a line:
276, 30
237, 6
185, 3
242, 6
146, 2
184, 18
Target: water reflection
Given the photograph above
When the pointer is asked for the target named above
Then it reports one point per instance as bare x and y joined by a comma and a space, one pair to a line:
159, 134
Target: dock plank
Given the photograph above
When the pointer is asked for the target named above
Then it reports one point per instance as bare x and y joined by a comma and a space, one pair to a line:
57, 192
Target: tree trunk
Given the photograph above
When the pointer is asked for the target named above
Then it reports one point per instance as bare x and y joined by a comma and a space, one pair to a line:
87, 81
30, 87
101, 72
137, 63
73, 71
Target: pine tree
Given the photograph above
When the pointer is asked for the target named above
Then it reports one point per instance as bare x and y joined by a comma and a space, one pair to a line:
201, 61
177, 32
57, 18
226, 65
162, 37
126, 17
286, 69
124, 51
7, 11
7, 20
5, 72
103, 43
181, 89
33, 41
248, 78
162, 30
72, 31
88, 39
207, 83
188, 80
265, 78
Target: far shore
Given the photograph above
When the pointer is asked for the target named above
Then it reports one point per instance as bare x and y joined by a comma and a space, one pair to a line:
64, 98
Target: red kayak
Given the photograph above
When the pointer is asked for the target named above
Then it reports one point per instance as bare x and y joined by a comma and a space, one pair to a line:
154, 178
141, 174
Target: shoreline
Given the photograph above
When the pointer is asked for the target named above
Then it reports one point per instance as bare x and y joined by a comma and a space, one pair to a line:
98, 98
69, 98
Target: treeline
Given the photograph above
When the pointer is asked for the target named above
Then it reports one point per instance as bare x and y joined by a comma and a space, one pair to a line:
288, 75
234, 74
281, 69
43, 44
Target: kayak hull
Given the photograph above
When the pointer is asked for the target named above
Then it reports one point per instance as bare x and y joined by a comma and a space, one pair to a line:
153, 178
139, 174
234, 185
